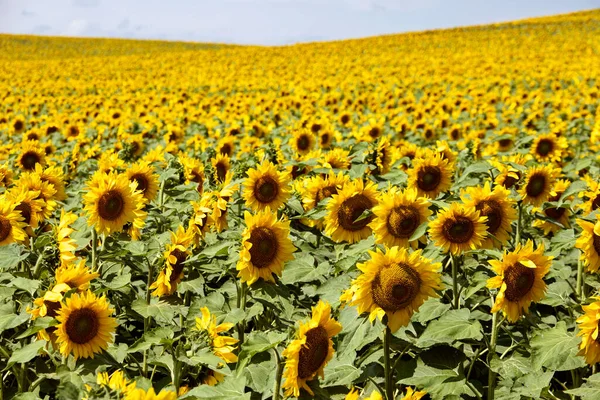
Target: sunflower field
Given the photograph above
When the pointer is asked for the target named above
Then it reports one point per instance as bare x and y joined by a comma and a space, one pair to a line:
408, 216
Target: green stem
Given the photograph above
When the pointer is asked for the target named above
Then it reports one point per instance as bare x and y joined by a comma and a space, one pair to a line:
519, 224
455, 294
241, 326
491, 354
94, 249
580, 278
278, 373
387, 359
147, 320
161, 196
38, 266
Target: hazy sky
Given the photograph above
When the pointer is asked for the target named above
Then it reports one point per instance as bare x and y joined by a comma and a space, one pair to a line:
262, 21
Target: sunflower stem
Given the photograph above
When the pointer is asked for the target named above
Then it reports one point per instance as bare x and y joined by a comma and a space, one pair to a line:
278, 374
38, 266
387, 359
580, 278
491, 354
519, 224
241, 326
147, 320
94, 249
455, 294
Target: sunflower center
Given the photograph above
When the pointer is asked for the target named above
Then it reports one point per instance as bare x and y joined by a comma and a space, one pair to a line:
536, 185
111, 205
351, 209
510, 181
314, 353
264, 247
555, 213
5, 228
504, 143
181, 256
428, 178
403, 221
374, 132
141, 181
82, 326
519, 281
458, 230
18, 125
52, 308
544, 147
266, 189
226, 149
221, 171
493, 211
25, 210
395, 286
596, 243
73, 131
325, 193
324, 139
29, 160
596, 203
303, 142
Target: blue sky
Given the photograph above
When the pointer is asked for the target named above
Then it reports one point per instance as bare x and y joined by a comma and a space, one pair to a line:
267, 22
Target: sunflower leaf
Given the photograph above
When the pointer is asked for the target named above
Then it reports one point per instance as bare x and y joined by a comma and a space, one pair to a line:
420, 231
452, 326
556, 349
25, 353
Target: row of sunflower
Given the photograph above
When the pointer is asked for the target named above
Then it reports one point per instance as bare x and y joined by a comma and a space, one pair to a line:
393, 217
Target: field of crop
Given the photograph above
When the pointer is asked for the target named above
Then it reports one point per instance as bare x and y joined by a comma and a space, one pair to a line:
398, 217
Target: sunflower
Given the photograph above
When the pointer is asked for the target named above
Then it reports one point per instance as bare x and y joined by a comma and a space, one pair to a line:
337, 158
30, 154
46, 306
430, 175
458, 229
221, 164
393, 283
355, 395
520, 279
11, 223
592, 194
265, 187
226, 146
266, 246
54, 176
66, 245
85, 325
589, 329
558, 214
412, 394
549, 148
150, 394
28, 203
318, 188
33, 182
176, 253
117, 382
589, 243
74, 277
397, 217
382, 157
343, 222
538, 184
221, 346
509, 170
112, 201
6, 175
193, 171
499, 209
302, 141
142, 173
307, 355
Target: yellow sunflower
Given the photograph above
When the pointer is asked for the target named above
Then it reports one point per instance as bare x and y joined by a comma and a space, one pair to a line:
307, 355
589, 243
265, 187
176, 253
549, 147
393, 283
343, 222
266, 247
146, 180
458, 229
193, 171
117, 382
33, 182
336, 158
55, 177
592, 194
397, 217
538, 184
11, 223
211, 378
30, 154
412, 394
519, 277
317, 188
150, 394
589, 330
66, 245
112, 201
85, 325
6, 175
430, 175
302, 141
499, 209
28, 203
202, 217
221, 164
74, 277
560, 214
221, 346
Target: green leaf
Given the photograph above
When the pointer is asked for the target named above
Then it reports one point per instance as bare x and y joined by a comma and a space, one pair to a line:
452, 326
11, 255
232, 388
340, 372
27, 285
302, 269
556, 349
118, 282
431, 309
8, 319
257, 342
158, 310
512, 367
26, 353
38, 325
137, 248
420, 231
439, 383
590, 390
573, 188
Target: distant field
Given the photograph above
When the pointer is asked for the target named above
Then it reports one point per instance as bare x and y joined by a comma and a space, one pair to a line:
396, 217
